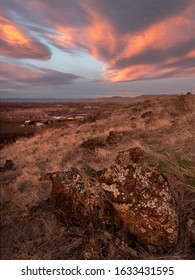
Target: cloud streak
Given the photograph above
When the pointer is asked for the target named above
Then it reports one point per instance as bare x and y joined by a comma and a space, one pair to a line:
136, 40
16, 42
33, 76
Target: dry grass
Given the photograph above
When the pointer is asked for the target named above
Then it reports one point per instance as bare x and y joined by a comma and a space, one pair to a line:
29, 229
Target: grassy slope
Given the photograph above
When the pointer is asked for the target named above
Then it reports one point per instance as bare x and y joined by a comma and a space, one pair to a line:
29, 227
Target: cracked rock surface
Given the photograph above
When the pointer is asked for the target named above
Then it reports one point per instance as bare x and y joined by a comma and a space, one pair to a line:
131, 197
141, 196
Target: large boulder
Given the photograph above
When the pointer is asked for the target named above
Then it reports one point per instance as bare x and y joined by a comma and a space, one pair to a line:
129, 203
142, 197
79, 203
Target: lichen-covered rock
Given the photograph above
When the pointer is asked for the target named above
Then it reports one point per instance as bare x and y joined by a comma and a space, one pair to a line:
105, 245
141, 196
128, 203
79, 203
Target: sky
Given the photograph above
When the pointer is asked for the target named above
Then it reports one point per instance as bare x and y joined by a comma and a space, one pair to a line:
96, 48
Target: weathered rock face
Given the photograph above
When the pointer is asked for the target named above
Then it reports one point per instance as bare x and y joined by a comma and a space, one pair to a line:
131, 199
80, 203
142, 198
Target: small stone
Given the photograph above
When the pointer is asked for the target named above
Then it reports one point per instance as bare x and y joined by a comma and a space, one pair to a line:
170, 230
190, 223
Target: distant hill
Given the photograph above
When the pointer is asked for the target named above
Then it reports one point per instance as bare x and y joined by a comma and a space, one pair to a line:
111, 99
36, 100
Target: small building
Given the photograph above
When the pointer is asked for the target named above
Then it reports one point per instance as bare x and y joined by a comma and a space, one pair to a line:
29, 123
57, 117
39, 124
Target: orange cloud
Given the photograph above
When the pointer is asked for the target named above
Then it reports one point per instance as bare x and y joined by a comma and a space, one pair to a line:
17, 43
163, 39
133, 55
89, 38
135, 40
12, 35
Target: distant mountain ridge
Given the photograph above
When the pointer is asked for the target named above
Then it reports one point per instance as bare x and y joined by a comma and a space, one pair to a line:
115, 98
35, 99
31, 100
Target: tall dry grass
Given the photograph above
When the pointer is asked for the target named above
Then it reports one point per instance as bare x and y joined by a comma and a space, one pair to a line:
29, 226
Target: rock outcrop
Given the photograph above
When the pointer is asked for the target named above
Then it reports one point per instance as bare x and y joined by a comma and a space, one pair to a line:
115, 137
80, 203
131, 199
92, 144
141, 196
147, 114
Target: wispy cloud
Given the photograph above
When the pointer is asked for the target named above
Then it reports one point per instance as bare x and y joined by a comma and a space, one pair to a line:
136, 40
16, 42
12, 75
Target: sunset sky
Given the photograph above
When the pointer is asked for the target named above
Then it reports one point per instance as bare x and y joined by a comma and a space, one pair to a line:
95, 48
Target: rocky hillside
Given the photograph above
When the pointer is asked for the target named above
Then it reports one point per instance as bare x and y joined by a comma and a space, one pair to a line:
118, 184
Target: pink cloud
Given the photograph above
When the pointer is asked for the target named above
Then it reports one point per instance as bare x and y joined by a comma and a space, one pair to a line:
16, 42
12, 75
140, 51
136, 40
